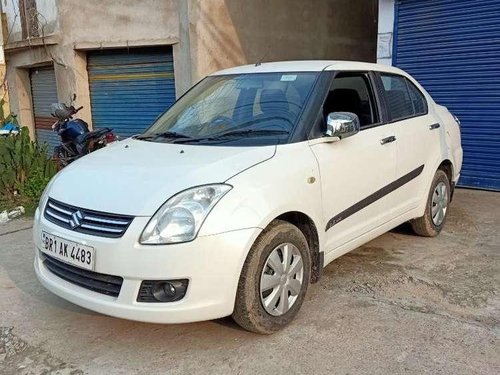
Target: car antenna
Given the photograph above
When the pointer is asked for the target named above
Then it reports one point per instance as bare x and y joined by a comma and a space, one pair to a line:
259, 62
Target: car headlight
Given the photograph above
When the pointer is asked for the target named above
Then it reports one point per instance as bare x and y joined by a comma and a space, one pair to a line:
180, 218
45, 195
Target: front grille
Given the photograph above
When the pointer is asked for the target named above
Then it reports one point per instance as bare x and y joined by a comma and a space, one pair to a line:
86, 221
97, 282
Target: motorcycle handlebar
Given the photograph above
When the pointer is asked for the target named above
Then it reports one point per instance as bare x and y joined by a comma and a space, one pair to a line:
78, 109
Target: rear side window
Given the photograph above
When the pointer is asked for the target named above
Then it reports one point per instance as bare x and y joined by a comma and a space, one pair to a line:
418, 99
398, 97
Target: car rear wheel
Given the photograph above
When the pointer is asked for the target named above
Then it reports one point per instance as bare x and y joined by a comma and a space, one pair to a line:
274, 279
432, 222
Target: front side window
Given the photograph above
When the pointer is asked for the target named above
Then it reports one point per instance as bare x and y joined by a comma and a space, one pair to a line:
352, 93
248, 109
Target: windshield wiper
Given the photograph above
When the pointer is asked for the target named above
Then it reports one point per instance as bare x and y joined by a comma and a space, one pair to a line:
250, 132
162, 135
234, 133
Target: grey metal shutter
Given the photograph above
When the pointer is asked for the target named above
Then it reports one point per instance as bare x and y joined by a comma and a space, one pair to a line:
130, 88
452, 47
44, 93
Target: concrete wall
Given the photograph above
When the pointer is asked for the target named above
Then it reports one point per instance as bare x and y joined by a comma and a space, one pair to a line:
116, 23
385, 31
4, 94
226, 33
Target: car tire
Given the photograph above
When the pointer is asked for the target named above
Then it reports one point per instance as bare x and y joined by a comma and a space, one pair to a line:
257, 309
436, 209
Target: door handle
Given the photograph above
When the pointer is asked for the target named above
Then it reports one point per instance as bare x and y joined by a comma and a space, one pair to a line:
434, 126
389, 139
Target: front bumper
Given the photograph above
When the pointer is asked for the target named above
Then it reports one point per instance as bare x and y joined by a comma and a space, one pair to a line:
212, 264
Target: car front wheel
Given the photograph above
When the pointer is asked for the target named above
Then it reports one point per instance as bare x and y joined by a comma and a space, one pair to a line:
274, 279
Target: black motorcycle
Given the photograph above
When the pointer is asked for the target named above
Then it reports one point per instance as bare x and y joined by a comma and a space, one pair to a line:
76, 139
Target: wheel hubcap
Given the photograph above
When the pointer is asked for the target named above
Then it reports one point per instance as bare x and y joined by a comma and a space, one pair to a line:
281, 279
439, 203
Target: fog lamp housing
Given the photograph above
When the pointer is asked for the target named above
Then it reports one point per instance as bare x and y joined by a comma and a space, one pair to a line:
162, 290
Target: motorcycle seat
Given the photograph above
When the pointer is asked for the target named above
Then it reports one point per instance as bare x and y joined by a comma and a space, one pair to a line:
84, 138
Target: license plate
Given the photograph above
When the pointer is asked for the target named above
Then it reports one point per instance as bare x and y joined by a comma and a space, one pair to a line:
68, 251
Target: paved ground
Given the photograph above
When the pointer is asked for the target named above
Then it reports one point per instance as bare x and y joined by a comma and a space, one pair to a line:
400, 304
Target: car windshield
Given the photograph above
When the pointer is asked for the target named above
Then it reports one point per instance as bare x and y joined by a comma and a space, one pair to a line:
243, 109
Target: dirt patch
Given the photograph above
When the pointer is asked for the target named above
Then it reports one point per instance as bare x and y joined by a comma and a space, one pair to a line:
463, 223
455, 274
17, 357
462, 293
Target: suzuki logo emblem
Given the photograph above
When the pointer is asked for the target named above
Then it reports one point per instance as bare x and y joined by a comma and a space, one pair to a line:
76, 220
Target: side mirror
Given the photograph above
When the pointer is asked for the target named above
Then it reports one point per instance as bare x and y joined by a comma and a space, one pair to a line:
341, 124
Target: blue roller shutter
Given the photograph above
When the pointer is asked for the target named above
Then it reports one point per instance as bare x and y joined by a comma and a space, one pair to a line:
452, 47
130, 88
43, 94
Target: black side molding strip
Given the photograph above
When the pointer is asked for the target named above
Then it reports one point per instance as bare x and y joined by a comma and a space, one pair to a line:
374, 197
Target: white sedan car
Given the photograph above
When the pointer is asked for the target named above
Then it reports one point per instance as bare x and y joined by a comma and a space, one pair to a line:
234, 200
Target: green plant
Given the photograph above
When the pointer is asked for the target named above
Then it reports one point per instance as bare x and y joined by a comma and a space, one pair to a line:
25, 167
35, 184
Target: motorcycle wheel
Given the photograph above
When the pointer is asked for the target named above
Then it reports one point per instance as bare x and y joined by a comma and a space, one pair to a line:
59, 157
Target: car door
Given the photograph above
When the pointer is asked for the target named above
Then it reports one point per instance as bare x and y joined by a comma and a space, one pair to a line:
418, 140
355, 171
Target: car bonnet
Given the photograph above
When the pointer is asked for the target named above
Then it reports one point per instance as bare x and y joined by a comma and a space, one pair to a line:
136, 177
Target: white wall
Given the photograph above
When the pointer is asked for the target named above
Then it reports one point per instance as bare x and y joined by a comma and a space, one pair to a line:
385, 31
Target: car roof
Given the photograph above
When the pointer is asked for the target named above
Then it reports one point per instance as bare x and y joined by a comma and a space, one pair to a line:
308, 66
